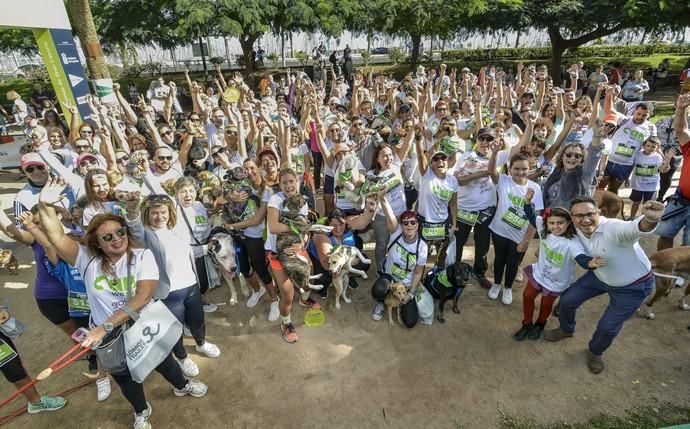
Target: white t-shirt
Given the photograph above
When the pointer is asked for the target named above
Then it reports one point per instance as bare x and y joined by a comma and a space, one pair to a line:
276, 202
340, 201
645, 175
510, 220
297, 155
106, 293
628, 139
395, 188
435, 194
327, 169
178, 258
198, 221
91, 210
479, 193
555, 269
401, 259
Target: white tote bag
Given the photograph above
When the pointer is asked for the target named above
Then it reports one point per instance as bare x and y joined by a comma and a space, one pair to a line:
425, 306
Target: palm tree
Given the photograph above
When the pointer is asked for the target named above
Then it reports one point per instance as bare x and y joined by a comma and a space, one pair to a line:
82, 21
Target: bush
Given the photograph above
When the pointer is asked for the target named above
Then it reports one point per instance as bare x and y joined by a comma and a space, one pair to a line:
302, 57
217, 60
396, 55
366, 57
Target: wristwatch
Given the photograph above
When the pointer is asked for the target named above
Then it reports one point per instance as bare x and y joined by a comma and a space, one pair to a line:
108, 327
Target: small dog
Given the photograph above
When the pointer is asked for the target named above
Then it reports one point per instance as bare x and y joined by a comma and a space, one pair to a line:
221, 249
393, 300
671, 267
610, 204
443, 284
340, 260
8, 260
348, 178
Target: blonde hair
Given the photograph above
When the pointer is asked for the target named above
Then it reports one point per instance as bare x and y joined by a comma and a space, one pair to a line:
147, 205
13, 95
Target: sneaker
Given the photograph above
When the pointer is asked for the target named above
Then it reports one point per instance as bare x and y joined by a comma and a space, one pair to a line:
210, 350
210, 308
377, 312
595, 363
523, 332
47, 403
536, 331
141, 420
507, 296
556, 334
189, 368
520, 276
104, 391
495, 291
482, 280
193, 388
274, 311
313, 305
186, 332
289, 333
93, 363
255, 297
352, 283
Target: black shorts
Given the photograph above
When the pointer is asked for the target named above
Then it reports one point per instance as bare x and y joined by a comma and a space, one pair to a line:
13, 370
57, 312
637, 196
252, 258
328, 185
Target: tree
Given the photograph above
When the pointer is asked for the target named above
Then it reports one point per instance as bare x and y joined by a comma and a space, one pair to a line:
12, 40
82, 21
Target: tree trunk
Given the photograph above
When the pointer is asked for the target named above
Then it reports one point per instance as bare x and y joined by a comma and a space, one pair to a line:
172, 57
369, 41
203, 56
282, 47
82, 21
517, 40
644, 36
292, 48
247, 44
227, 51
124, 53
414, 56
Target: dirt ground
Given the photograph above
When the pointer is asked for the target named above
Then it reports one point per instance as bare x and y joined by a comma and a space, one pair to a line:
357, 373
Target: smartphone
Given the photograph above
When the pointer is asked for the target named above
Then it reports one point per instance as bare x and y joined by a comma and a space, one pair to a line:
79, 334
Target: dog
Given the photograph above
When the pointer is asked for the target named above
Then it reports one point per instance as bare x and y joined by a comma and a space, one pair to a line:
209, 188
671, 267
396, 293
443, 284
9, 261
610, 205
348, 178
221, 249
340, 260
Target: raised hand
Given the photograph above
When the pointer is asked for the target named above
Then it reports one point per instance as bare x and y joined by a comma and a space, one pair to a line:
52, 191
596, 262
652, 210
26, 218
529, 195
683, 101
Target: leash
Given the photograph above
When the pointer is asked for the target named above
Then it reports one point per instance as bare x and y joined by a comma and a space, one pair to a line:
678, 279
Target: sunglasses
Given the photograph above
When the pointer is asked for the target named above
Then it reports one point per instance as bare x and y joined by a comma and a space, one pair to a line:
123, 159
120, 232
82, 147
33, 137
218, 152
485, 139
167, 133
85, 132
195, 119
88, 162
33, 168
231, 133
165, 158
439, 158
158, 199
409, 222
573, 155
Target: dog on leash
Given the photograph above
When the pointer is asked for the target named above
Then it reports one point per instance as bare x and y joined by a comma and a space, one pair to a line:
610, 205
393, 300
444, 284
221, 249
9, 261
340, 260
671, 267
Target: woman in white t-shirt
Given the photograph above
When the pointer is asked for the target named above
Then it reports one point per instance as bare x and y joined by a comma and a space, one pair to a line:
404, 262
107, 262
153, 225
511, 230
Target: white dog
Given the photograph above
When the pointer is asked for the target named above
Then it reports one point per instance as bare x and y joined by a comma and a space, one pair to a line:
340, 260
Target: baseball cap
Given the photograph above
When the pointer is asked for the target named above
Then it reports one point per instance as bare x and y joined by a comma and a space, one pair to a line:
84, 156
404, 108
485, 132
267, 152
31, 158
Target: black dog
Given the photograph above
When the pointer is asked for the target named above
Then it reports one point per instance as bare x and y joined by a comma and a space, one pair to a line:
443, 284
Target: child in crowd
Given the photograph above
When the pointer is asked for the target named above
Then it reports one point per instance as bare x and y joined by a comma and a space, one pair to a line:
645, 177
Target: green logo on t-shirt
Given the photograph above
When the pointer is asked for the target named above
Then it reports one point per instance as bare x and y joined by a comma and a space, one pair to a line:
554, 257
118, 285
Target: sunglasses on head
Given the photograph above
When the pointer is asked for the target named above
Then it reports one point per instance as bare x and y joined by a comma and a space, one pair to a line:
409, 222
123, 159
218, 152
573, 155
87, 162
33, 168
439, 158
158, 199
165, 158
120, 232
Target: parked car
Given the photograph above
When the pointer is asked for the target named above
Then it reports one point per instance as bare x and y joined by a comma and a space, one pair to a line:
380, 51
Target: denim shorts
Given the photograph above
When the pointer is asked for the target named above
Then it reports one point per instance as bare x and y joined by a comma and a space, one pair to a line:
618, 171
328, 185
675, 217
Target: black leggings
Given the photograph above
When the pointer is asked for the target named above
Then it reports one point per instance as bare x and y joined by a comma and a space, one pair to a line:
252, 256
408, 312
666, 179
187, 307
506, 257
482, 241
202, 274
134, 392
318, 164
13, 370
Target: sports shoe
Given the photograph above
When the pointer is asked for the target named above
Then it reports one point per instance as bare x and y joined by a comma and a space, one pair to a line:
255, 297
377, 312
189, 368
210, 350
93, 363
289, 333
507, 296
523, 332
141, 420
274, 311
103, 385
536, 331
495, 291
482, 280
209, 308
313, 305
193, 388
556, 334
186, 332
595, 363
47, 403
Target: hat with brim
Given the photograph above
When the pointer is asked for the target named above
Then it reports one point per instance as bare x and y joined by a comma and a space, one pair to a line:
267, 152
31, 158
84, 156
340, 147
439, 152
485, 132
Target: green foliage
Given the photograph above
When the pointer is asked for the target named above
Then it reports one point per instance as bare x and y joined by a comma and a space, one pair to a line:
17, 40
217, 60
396, 55
302, 57
366, 57
136, 70
273, 58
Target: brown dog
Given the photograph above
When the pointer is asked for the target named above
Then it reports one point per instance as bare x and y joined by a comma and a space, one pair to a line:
610, 204
671, 267
7, 260
394, 297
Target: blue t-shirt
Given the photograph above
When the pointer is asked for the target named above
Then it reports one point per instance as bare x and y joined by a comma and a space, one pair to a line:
348, 240
47, 285
77, 300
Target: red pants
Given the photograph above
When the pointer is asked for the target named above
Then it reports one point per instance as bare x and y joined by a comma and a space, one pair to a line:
529, 295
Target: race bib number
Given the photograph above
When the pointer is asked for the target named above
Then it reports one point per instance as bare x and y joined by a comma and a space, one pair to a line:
624, 150
514, 219
78, 302
468, 217
7, 353
433, 231
645, 170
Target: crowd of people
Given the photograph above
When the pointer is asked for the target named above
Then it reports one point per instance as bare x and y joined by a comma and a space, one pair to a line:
120, 210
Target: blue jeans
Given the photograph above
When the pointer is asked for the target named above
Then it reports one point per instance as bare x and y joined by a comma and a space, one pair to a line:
623, 303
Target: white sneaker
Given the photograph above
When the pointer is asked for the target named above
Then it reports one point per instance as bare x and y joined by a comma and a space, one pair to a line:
210, 308
103, 385
186, 332
210, 350
189, 368
255, 297
494, 291
141, 420
274, 311
507, 297
193, 388
378, 311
